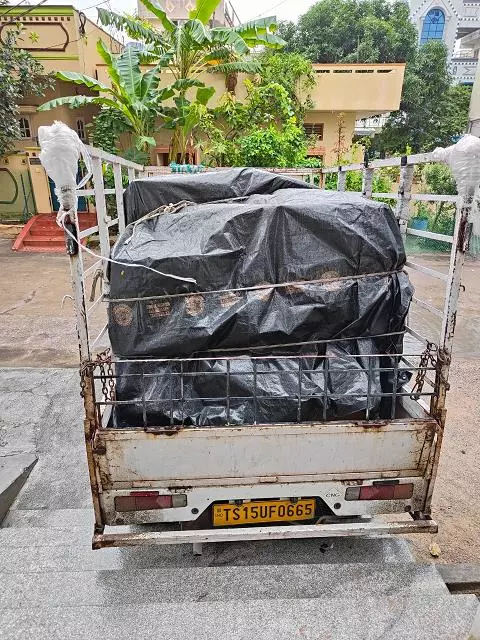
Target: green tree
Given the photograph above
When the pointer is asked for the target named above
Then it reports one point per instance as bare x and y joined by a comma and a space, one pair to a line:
20, 74
353, 31
439, 180
263, 131
134, 95
432, 110
106, 128
294, 73
192, 48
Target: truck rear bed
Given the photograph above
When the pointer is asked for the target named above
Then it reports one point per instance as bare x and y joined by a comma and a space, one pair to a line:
353, 470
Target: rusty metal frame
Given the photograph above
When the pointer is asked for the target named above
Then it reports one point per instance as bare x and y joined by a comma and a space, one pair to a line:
459, 245
372, 528
78, 274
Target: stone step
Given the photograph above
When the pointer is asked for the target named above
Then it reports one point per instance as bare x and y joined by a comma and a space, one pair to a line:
40, 241
41, 549
57, 518
217, 583
367, 617
14, 471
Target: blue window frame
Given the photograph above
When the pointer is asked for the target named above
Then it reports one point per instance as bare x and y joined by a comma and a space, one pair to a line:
433, 26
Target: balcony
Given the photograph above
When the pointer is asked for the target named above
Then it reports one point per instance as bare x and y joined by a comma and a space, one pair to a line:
469, 20
367, 89
463, 68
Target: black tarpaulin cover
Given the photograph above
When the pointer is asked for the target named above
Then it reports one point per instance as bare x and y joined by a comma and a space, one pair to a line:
271, 270
146, 194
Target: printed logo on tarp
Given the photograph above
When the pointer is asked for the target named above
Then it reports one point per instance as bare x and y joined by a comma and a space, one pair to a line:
159, 309
194, 305
122, 314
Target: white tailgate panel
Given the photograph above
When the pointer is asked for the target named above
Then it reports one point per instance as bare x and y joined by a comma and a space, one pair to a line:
263, 451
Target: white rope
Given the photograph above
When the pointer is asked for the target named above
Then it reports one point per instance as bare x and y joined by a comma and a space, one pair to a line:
166, 208
61, 222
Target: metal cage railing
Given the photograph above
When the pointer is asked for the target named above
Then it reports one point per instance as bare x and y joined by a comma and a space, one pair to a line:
164, 394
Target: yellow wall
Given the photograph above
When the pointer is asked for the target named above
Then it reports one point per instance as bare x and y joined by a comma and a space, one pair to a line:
54, 36
366, 89
31, 193
89, 59
331, 122
63, 113
60, 39
39, 181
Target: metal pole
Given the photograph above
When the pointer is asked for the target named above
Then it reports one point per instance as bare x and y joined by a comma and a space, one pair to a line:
404, 195
117, 175
102, 218
367, 181
461, 238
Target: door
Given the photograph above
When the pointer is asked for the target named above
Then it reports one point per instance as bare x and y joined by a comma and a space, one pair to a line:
82, 201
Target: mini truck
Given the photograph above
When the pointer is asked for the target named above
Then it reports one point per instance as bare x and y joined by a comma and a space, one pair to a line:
264, 481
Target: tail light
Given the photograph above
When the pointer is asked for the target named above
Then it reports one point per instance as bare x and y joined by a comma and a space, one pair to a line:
380, 492
148, 500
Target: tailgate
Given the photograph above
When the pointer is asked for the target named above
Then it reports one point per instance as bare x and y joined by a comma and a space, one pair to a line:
270, 453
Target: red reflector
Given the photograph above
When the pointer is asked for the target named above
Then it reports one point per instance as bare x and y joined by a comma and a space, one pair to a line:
142, 502
403, 491
384, 492
380, 492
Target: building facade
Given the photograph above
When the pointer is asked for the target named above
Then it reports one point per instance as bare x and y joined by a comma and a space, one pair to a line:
342, 95
450, 21
474, 111
61, 38
178, 10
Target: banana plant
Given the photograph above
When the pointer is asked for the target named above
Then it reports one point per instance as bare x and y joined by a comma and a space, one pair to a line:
193, 48
136, 95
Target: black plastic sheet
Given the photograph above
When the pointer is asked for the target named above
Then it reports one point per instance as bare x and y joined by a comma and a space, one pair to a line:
146, 194
246, 390
276, 273
289, 236
267, 317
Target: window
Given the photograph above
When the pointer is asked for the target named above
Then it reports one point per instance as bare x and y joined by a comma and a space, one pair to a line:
314, 129
81, 130
433, 26
24, 124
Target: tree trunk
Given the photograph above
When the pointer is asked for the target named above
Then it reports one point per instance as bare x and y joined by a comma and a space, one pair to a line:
231, 82
437, 215
175, 145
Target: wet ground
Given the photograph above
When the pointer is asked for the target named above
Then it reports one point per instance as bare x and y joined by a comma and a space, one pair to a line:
37, 327
36, 330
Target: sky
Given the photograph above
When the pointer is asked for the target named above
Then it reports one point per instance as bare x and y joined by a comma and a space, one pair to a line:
246, 9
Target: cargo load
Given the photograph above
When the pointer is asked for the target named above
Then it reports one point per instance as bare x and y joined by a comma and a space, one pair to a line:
297, 272
146, 194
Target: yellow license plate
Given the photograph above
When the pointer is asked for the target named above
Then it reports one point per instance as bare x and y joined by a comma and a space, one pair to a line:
258, 512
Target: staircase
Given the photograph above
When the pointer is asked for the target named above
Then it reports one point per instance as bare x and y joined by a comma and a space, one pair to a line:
42, 234
52, 585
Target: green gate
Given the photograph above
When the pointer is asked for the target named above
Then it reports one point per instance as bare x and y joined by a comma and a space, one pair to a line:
17, 202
